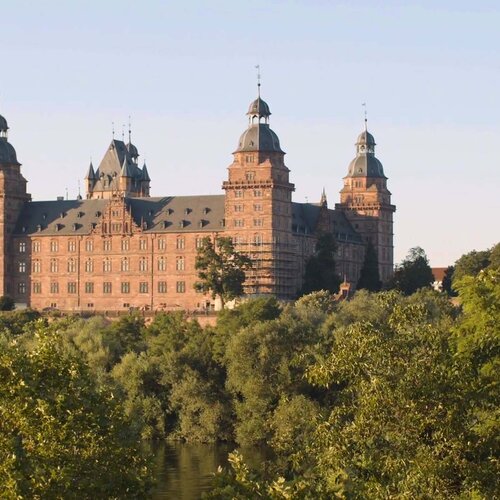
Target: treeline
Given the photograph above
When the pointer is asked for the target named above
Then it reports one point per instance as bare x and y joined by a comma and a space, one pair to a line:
384, 395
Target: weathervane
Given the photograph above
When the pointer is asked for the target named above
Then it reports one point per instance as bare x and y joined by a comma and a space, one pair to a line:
129, 131
257, 67
366, 116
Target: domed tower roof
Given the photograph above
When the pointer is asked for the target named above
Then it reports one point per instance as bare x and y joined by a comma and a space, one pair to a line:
259, 108
365, 164
3, 124
7, 151
259, 136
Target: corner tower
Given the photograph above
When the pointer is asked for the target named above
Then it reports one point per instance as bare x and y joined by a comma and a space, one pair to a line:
13, 196
366, 202
258, 206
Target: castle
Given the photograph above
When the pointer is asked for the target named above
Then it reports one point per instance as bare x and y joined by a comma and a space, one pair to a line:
120, 248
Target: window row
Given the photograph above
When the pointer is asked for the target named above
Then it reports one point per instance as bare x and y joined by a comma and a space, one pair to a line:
107, 287
125, 265
161, 243
240, 193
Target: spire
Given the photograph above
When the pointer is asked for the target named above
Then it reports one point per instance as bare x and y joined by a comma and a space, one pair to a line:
323, 201
145, 174
90, 173
129, 131
126, 171
366, 117
258, 80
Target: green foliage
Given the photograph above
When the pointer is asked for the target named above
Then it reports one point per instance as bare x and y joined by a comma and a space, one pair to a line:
320, 271
369, 278
7, 303
448, 282
413, 273
221, 269
60, 435
471, 263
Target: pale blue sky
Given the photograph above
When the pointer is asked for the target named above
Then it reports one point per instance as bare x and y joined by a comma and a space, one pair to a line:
429, 72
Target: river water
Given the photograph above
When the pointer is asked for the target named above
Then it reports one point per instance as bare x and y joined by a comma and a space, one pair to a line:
184, 471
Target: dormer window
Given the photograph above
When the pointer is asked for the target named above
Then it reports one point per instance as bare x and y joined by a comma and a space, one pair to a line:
206, 210
187, 211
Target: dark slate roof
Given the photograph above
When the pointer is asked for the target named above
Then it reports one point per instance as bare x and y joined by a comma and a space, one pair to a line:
366, 138
7, 152
173, 214
366, 165
259, 137
305, 217
3, 124
59, 217
167, 214
259, 107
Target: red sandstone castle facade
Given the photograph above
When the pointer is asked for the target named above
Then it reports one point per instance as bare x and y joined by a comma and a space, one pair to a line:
121, 248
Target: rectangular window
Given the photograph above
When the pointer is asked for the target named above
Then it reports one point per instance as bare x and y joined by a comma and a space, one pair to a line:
72, 287
90, 305
180, 287
71, 246
162, 244
143, 244
89, 265
239, 223
162, 264
21, 288
54, 287
179, 264
89, 245
116, 227
37, 287
106, 265
257, 193
36, 247
143, 264
71, 266
257, 207
162, 287
37, 266
125, 245
125, 287
125, 264
181, 243
106, 245
22, 247
21, 267
106, 287
250, 176
238, 208
89, 287
143, 287
54, 246
258, 222
54, 265
238, 193
198, 242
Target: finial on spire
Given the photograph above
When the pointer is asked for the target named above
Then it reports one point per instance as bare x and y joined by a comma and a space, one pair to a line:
113, 129
323, 201
123, 132
257, 67
129, 131
366, 116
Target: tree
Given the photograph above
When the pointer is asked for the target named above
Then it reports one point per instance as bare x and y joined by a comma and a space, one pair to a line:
320, 268
221, 269
448, 281
369, 278
7, 303
413, 273
61, 436
471, 263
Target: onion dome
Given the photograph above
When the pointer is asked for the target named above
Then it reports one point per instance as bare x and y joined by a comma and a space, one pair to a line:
259, 108
7, 151
259, 136
132, 150
3, 124
365, 164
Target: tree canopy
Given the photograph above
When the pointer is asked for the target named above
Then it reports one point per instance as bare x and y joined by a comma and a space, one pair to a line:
320, 272
413, 273
221, 269
369, 278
